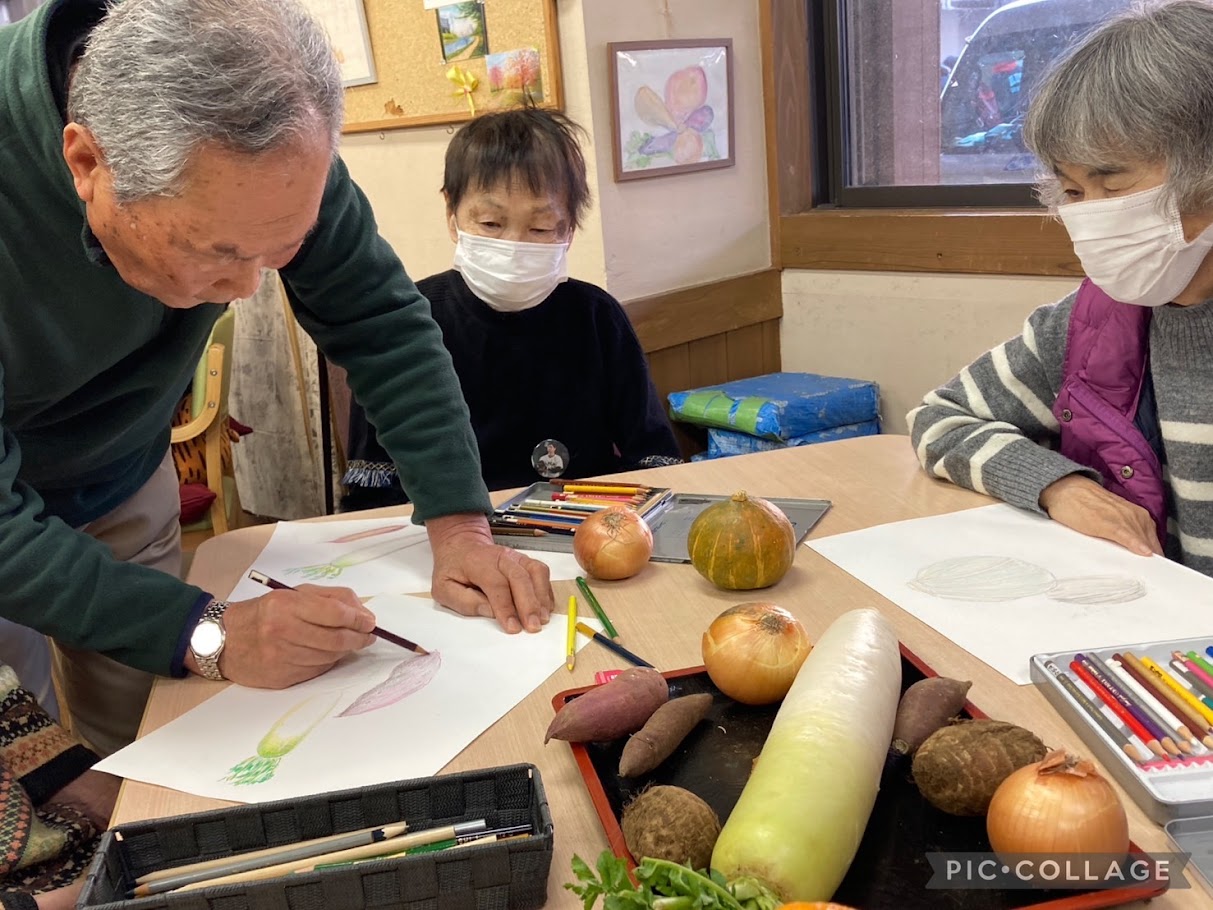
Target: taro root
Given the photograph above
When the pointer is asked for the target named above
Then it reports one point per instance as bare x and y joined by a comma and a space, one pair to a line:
673, 824
959, 767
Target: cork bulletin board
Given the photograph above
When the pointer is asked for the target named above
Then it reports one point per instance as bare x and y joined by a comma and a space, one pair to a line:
434, 62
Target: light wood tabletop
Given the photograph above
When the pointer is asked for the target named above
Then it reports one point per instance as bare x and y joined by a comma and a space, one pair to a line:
662, 613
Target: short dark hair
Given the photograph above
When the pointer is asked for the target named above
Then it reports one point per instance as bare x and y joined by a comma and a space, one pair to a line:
534, 147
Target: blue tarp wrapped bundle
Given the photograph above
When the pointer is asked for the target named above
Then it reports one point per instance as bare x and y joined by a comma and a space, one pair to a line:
779, 410
722, 443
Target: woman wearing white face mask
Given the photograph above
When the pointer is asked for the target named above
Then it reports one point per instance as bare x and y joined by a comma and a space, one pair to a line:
1078, 416
554, 377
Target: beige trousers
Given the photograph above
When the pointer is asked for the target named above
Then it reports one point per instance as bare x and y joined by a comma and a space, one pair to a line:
106, 698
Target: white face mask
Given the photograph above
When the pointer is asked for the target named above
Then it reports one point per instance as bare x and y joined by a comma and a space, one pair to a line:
508, 275
1131, 250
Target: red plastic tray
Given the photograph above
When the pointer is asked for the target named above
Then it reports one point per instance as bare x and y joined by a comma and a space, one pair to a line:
890, 868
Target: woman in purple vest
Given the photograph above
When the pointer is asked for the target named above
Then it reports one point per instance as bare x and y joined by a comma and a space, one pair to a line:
1101, 413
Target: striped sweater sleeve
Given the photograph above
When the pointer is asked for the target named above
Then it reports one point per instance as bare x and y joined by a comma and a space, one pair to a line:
991, 428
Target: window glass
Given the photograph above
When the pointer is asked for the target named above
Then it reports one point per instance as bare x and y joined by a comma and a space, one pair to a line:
932, 93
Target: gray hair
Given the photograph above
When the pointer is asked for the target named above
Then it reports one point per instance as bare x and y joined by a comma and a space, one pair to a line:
1136, 90
160, 78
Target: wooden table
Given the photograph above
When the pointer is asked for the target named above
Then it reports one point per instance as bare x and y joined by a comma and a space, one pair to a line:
662, 614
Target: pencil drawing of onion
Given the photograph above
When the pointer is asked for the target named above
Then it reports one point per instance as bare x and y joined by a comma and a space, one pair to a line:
1097, 589
983, 578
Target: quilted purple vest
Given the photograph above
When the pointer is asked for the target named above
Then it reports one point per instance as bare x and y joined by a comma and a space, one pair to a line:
1107, 355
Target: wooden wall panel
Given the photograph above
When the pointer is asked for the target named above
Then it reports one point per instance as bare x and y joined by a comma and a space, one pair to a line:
709, 334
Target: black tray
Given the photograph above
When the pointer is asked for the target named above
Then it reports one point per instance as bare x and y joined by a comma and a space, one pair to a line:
890, 870
507, 875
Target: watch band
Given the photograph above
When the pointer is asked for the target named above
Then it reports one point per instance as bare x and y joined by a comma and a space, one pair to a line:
208, 664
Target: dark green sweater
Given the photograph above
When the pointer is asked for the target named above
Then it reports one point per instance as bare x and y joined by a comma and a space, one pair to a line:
90, 372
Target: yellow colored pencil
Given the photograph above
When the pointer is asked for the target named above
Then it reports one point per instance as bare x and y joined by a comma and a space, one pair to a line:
594, 488
1182, 691
570, 647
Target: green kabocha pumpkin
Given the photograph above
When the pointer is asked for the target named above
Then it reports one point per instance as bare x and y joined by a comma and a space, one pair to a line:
742, 543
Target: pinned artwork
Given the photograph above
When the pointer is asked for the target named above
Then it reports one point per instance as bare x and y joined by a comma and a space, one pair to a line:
518, 74
671, 106
463, 31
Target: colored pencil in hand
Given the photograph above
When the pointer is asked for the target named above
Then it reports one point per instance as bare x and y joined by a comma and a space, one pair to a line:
262, 579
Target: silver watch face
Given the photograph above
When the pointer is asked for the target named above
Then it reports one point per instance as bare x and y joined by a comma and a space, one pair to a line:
207, 640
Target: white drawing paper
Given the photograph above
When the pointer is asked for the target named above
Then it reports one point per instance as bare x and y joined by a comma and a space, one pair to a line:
1005, 584
372, 556
384, 714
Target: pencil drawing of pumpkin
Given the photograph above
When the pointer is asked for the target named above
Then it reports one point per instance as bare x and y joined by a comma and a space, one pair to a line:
1097, 589
983, 578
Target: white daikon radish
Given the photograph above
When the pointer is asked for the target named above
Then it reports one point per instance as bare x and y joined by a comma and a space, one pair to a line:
803, 811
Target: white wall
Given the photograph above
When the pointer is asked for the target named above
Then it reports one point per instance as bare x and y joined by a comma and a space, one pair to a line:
669, 232
908, 332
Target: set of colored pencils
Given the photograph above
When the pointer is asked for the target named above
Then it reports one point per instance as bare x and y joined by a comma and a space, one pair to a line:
561, 511
1166, 712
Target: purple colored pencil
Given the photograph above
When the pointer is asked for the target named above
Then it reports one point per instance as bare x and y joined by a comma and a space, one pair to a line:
1099, 675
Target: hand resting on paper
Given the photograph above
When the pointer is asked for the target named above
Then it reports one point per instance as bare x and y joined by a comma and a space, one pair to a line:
476, 577
286, 637
1080, 503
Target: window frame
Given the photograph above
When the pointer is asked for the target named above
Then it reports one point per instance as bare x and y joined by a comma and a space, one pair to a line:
811, 233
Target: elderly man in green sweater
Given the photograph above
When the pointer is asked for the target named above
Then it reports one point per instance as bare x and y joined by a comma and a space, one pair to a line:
154, 158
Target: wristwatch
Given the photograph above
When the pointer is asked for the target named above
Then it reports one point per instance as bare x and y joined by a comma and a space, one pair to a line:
208, 638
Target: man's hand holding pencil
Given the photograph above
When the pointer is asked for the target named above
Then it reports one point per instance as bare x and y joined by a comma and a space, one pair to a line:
289, 636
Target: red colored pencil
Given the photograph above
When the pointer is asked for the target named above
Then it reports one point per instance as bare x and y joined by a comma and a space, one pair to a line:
1118, 709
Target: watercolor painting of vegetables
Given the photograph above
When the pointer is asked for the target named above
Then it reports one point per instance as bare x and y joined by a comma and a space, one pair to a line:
405, 678
671, 106
997, 579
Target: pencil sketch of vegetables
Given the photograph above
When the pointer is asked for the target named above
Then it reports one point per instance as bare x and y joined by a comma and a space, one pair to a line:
408, 676
287, 732
996, 579
356, 558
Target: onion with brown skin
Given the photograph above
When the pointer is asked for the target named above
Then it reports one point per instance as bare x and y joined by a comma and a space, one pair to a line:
1060, 804
613, 544
753, 651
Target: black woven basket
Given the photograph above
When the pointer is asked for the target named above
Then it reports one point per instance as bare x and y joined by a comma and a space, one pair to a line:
505, 875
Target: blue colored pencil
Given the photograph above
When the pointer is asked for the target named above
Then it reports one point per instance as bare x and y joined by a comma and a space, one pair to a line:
613, 645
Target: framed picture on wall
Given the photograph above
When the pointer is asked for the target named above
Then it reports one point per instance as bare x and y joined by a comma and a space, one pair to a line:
671, 106
345, 22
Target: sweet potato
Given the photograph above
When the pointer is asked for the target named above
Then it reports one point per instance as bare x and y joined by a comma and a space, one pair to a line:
925, 707
661, 734
611, 710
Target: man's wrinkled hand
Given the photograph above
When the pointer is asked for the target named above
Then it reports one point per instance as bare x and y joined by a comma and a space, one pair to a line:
1082, 504
476, 577
286, 637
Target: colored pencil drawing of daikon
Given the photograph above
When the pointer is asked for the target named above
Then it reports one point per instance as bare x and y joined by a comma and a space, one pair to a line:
997, 579
339, 564
293, 727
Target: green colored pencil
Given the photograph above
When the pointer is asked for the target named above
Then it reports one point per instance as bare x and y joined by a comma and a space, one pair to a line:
596, 607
